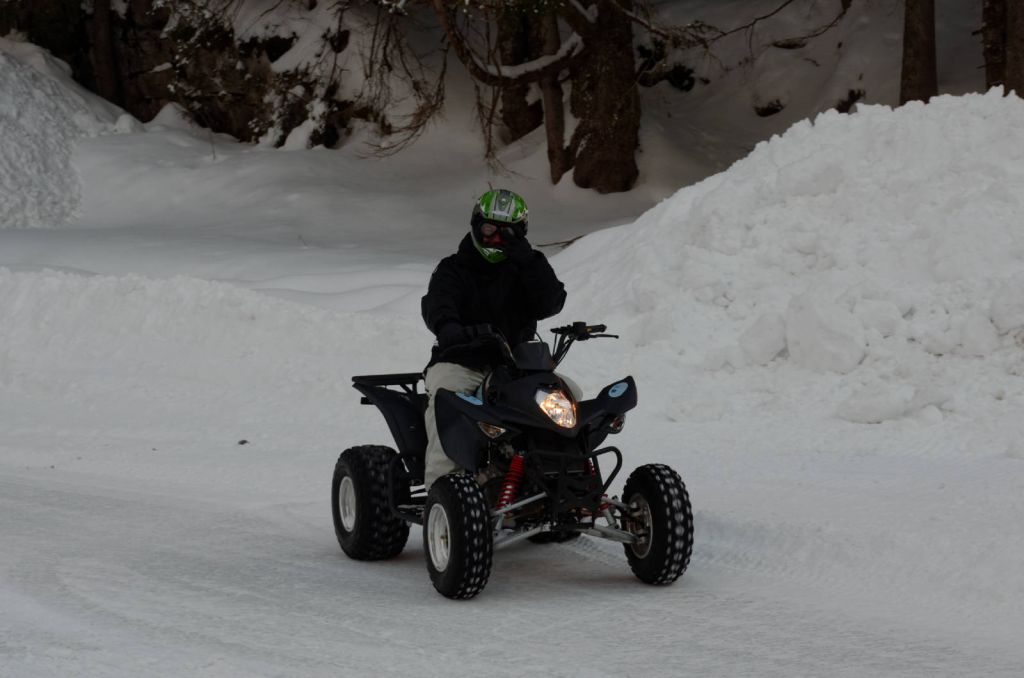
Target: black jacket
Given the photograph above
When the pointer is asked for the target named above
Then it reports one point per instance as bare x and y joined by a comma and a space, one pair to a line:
467, 289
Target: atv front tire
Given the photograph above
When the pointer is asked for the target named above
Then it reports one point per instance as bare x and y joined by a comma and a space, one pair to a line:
363, 522
457, 538
661, 515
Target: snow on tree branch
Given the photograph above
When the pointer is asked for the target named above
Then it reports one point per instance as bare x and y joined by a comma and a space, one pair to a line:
588, 13
498, 76
572, 46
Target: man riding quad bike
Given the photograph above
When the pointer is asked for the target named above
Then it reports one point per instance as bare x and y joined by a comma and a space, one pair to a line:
501, 447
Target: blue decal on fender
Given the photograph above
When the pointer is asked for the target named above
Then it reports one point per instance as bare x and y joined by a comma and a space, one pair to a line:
618, 389
470, 398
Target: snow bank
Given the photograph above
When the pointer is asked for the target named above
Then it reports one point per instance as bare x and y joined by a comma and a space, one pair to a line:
42, 112
186, 365
854, 244
131, 334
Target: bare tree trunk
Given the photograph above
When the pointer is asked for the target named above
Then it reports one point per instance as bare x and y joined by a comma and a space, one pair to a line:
920, 78
103, 53
559, 160
140, 46
993, 38
514, 32
1015, 46
606, 102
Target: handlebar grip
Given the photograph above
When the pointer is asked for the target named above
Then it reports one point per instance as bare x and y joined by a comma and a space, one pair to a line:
579, 329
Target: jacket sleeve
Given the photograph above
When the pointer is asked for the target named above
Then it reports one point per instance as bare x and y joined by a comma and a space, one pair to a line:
440, 305
543, 292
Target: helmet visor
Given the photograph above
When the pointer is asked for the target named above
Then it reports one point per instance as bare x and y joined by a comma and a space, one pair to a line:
496, 235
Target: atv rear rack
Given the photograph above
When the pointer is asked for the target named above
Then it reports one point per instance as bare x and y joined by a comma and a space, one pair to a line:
407, 381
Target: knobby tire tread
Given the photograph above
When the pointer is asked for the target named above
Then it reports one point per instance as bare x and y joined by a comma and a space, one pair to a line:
469, 565
672, 516
377, 533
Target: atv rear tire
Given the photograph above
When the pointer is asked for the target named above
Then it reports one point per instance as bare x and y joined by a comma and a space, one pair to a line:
662, 514
363, 522
457, 538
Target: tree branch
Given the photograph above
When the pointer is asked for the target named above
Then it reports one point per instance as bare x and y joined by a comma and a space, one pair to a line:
844, 6
756, 20
533, 71
692, 34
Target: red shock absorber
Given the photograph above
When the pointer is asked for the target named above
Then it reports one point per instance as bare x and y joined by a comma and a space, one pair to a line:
510, 488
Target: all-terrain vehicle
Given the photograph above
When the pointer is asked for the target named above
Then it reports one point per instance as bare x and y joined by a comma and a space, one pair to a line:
533, 470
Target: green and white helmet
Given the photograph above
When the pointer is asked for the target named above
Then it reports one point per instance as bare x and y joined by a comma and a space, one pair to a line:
507, 211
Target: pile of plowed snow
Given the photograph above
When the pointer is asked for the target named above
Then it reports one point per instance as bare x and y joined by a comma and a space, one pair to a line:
108, 374
871, 244
186, 343
42, 112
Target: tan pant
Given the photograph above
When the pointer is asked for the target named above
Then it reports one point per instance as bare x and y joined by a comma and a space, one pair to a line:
456, 378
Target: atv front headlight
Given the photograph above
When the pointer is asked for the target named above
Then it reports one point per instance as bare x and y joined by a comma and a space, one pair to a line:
559, 407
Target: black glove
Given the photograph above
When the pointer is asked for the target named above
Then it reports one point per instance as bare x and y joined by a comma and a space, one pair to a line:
480, 331
518, 251
452, 334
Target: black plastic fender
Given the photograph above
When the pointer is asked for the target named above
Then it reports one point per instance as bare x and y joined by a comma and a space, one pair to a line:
403, 413
457, 415
614, 400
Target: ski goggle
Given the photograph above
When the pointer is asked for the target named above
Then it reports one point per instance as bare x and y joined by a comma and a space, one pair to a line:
507, 232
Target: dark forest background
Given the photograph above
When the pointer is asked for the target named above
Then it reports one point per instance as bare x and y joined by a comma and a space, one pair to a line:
532, 63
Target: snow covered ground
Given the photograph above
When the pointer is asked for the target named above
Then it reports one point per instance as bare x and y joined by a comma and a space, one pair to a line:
828, 339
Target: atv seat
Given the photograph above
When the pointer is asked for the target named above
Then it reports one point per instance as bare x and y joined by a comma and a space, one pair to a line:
403, 409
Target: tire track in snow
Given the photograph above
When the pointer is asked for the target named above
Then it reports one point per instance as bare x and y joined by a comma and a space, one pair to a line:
199, 587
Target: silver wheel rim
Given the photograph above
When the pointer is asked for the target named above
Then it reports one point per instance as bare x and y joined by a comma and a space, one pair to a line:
643, 526
347, 503
439, 541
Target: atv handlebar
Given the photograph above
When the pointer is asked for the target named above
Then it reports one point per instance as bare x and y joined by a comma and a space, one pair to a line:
486, 339
581, 331
578, 331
